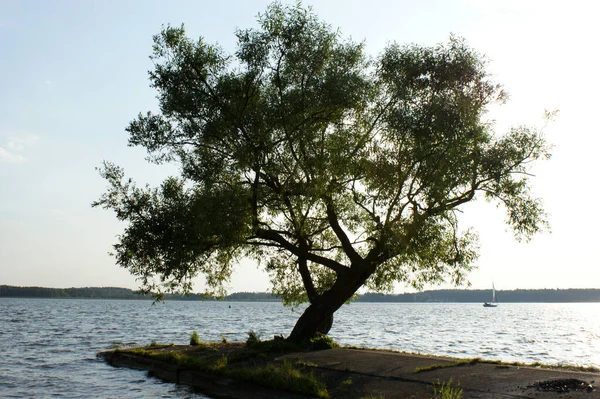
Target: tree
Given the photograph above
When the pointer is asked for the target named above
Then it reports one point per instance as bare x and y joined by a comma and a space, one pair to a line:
333, 169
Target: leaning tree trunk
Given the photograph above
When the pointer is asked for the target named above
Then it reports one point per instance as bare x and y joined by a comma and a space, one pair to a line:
318, 316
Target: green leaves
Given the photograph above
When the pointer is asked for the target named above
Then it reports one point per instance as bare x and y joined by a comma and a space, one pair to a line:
302, 151
175, 233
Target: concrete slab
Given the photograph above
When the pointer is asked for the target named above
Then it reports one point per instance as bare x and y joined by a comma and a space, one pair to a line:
359, 374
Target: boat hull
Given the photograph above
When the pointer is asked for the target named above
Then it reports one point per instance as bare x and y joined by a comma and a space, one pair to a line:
489, 305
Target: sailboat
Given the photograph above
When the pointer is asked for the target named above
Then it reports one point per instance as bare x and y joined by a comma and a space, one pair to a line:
492, 304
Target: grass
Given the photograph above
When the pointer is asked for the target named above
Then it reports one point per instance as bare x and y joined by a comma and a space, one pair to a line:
253, 362
279, 344
446, 390
155, 344
284, 376
590, 369
253, 339
345, 385
195, 339
472, 361
459, 363
322, 341
302, 363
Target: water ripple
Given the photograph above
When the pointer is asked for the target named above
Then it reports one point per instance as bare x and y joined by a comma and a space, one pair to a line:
48, 346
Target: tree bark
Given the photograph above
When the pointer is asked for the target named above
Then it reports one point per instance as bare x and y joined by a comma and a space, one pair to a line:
318, 316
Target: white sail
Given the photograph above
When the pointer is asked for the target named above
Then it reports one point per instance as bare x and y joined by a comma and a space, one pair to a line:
492, 304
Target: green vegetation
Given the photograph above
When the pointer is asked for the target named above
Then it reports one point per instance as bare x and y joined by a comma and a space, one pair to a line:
302, 363
446, 390
156, 345
460, 362
283, 375
472, 361
258, 363
322, 341
195, 339
60, 293
256, 347
253, 339
346, 385
334, 168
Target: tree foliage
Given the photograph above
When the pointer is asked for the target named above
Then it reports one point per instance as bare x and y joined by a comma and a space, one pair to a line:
332, 168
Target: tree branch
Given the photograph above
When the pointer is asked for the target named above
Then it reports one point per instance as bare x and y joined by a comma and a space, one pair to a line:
339, 232
311, 292
276, 237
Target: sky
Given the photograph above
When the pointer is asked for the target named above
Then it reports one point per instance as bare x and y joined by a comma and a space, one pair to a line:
74, 73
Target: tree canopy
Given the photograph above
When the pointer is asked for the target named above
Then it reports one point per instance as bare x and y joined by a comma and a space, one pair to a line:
332, 168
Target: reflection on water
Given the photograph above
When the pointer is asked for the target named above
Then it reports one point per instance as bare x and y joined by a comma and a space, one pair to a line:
48, 346
547, 333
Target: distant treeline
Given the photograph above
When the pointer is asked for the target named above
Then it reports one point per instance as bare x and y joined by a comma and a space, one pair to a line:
477, 296
117, 293
480, 296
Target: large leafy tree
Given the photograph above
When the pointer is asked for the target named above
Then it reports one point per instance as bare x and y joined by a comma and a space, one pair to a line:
333, 169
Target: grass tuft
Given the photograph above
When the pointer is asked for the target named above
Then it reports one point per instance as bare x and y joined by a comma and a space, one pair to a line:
195, 339
345, 385
155, 344
459, 363
322, 341
253, 339
446, 390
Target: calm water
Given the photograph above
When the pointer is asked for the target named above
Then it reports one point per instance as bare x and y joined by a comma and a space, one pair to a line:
48, 347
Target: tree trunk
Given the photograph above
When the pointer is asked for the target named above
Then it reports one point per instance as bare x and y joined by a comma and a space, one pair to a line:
318, 316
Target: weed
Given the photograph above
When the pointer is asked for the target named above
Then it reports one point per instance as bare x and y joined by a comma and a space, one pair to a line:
221, 363
195, 339
345, 385
322, 341
253, 339
302, 363
458, 363
155, 344
446, 390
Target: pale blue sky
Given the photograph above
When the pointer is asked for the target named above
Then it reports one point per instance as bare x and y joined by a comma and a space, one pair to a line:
74, 73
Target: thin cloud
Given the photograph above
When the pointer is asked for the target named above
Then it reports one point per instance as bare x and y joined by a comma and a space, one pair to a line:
11, 152
18, 144
10, 157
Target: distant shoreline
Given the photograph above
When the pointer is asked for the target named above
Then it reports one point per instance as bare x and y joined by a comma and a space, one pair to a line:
571, 295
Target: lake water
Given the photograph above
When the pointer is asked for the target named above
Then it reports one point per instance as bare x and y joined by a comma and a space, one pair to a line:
48, 347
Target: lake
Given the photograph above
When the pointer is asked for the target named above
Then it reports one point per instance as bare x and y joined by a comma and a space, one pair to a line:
48, 346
